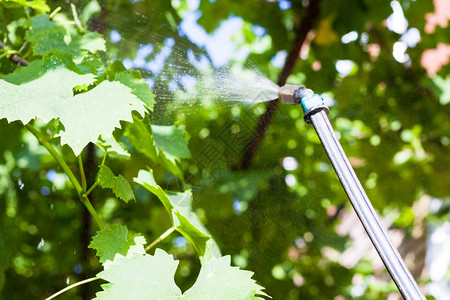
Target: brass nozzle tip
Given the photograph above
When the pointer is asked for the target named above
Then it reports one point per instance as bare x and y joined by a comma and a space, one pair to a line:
286, 93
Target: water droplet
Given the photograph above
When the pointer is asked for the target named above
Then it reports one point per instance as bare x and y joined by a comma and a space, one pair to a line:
41, 244
20, 183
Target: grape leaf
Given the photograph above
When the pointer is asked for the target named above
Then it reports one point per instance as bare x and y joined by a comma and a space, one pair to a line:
140, 277
114, 239
85, 116
140, 135
37, 68
25, 74
90, 41
114, 147
137, 276
91, 9
219, 280
179, 207
138, 85
46, 35
38, 5
119, 185
212, 251
52, 36
172, 141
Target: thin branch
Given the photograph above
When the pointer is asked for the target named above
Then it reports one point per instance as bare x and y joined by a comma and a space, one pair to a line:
72, 286
85, 200
91, 157
75, 17
104, 157
162, 237
83, 197
44, 142
92, 188
310, 16
57, 10
83, 177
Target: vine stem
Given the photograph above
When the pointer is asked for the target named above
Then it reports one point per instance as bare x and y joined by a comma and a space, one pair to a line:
161, 237
92, 188
75, 17
83, 177
57, 157
97, 182
72, 286
54, 12
85, 200
83, 197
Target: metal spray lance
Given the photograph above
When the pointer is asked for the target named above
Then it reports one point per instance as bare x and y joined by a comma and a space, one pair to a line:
316, 113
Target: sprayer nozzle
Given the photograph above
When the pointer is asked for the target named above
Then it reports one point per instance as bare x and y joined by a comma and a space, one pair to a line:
286, 93
293, 94
298, 94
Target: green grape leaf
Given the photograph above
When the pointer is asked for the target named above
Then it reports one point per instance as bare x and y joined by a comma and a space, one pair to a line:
14, 29
219, 280
38, 5
187, 222
114, 147
114, 239
144, 276
140, 277
85, 116
90, 41
46, 35
119, 185
138, 85
179, 207
172, 141
141, 137
212, 251
91, 9
52, 36
25, 74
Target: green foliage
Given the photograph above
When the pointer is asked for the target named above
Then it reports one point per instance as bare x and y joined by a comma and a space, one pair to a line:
51, 36
113, 240
166, 146
46, 35
219, 280
172, 141
146, 276
139, 275
138, 85
119, 185
70, 95
38, 5
179, 207
109, 102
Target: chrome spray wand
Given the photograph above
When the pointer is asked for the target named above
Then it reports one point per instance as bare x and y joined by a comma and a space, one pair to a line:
316, 113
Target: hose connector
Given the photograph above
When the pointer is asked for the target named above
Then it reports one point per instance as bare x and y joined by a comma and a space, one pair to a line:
299, 94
